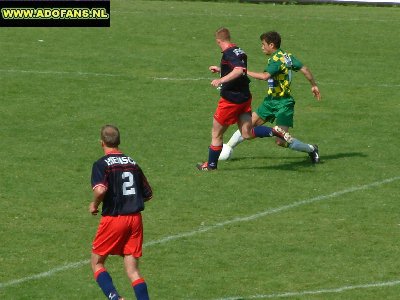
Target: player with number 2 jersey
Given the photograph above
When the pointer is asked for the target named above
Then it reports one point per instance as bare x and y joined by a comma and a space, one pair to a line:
126, 191
127, 187
119, 183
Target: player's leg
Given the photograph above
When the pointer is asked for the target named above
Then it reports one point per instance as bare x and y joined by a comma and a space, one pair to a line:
105, 242
264, 113
258, 131
102, 277
312, 150
253, 129
215, 148
298, 145
280, 141
237, 137
131, 252
224, 116
284, 120
245, 126
294, 144
243, 121
138, 283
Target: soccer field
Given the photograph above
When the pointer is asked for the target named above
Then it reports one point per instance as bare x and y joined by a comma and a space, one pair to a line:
268, 224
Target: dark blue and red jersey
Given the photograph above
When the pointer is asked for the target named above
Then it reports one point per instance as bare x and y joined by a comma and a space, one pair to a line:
127, 186
237, 90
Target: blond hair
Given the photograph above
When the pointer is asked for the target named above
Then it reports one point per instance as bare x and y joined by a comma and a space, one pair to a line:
110, 136
223, 34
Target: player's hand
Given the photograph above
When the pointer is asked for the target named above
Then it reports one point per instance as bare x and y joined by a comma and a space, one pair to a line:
316, 92
216, 83
93, 209
214, 69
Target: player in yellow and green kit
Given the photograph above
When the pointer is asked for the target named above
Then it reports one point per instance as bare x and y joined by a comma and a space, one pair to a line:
278, 105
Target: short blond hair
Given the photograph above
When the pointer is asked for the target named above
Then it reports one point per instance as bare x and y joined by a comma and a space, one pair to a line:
109, 134
223, 34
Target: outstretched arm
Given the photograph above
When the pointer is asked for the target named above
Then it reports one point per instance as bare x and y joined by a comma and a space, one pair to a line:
259, 76
236, 72
314, 88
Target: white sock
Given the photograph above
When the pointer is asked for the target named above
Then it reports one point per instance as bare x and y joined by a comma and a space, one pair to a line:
300, 146
235, 139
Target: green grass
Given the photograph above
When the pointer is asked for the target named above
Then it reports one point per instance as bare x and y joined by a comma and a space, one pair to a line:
58, 92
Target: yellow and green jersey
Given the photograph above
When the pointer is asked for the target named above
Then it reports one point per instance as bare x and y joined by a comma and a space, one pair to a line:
280, 66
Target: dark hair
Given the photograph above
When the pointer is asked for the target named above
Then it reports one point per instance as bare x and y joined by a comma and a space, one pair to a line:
271, 37
110, 136
223, 34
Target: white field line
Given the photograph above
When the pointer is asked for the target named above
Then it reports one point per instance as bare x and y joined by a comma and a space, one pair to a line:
316, 292
182, 79
50, 72
360, 85
45, 274
61, 73
270, 211
212, 227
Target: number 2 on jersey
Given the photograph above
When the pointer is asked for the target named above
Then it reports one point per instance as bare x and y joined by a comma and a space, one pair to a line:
129, 186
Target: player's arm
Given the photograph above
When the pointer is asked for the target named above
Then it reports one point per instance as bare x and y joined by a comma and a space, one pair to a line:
148, 193
314, 88
259, 76
236, 72
98, 196
147, 190
215, 69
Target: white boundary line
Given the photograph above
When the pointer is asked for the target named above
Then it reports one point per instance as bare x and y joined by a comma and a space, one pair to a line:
317, 292
211, 227
362, 85
61, 73
270, 211
49, 72
182, 79
45, 274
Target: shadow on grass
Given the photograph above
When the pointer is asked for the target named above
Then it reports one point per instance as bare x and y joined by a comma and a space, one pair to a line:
294, 165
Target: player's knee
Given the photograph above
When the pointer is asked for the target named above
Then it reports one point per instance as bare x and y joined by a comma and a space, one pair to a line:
247, 133
247, 136
281, 143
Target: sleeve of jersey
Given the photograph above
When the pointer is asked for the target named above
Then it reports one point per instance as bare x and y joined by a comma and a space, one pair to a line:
235, 61
98, 175
147, 191
297, 65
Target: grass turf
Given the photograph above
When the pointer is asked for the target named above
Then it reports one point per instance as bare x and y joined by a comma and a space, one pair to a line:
148, 75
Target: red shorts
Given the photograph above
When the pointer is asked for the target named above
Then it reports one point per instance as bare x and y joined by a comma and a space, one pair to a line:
228, 113
119, 235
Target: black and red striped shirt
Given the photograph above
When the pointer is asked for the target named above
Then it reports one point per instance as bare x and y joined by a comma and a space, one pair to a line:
237, 90
126, 184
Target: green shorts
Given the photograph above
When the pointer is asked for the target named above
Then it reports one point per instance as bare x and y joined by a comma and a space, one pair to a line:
281, 111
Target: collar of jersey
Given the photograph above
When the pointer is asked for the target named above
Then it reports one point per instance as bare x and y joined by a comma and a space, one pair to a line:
277, 51
230, 46
113, 152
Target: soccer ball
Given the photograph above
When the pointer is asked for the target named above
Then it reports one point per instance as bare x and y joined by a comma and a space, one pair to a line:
226, 152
